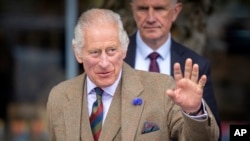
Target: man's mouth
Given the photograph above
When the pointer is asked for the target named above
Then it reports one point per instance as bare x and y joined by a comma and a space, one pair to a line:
104, 74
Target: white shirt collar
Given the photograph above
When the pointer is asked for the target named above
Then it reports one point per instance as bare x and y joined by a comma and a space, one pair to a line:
109, 90
145, 50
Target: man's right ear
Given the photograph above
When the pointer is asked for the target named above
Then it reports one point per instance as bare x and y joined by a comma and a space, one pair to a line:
78, 54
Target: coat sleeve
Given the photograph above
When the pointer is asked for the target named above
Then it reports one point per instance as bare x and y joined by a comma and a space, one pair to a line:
50, 117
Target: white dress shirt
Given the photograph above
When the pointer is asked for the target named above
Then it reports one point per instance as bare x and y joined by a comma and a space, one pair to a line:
107, 95
143, 50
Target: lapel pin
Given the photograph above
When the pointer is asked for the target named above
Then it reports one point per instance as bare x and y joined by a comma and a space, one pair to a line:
137, 101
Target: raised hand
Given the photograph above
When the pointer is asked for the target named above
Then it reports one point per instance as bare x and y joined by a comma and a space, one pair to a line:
189, 88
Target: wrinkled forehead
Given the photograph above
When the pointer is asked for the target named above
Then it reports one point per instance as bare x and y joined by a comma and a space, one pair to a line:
101, 29
99, 34
153, 1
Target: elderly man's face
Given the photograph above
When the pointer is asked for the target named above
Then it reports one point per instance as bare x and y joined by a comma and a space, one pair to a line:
102, 55
154, 18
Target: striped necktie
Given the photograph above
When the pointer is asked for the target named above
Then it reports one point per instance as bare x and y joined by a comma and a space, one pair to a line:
97, 114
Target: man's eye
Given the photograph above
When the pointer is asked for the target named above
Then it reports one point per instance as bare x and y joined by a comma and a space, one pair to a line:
142, 8
111, 51
159, 8
94, 52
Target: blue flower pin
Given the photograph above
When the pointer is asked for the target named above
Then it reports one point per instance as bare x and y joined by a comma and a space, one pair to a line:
137, 101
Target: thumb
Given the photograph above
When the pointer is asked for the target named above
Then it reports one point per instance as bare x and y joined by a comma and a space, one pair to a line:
170, 94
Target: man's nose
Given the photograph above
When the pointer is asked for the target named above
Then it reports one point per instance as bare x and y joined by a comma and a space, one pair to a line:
151, 15
104, 60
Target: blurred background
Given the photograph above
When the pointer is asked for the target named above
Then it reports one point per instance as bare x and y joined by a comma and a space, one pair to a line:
35, 54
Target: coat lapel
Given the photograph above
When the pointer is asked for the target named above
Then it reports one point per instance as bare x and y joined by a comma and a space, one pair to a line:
72, 119
86, 133
130, 57
176, 55
72, 110
130, 116
112, 123
76, 112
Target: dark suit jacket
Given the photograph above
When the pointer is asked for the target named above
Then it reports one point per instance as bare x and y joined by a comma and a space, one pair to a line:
179, 53
68, 118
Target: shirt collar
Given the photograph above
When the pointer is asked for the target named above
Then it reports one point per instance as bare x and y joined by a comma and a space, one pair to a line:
109, 90
145, 50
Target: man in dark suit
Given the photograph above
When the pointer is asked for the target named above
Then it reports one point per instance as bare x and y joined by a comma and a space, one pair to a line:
154, 19
111, 101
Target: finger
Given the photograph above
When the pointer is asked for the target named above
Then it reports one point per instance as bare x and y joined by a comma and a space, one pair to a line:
188, 68
170, 94
202, 81
177, 72
195, 73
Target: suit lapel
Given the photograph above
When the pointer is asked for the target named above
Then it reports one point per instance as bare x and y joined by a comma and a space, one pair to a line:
112, 123
130, 57
176, 55
72, 110
86, 133
76, 109
130, 116
72, 119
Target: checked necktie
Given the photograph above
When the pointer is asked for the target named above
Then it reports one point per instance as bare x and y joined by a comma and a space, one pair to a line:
97, 114
153, 67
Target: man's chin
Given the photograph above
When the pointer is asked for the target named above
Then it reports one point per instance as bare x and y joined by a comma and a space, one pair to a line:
105, 83
151, 35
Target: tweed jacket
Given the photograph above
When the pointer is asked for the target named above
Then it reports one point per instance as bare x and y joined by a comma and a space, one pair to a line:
68, 118
180, 53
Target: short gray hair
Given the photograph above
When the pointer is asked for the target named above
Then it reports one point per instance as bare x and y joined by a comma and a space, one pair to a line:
173, 1
96, 16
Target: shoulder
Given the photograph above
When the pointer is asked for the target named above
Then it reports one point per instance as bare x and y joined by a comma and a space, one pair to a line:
67, 84
135, 77
155, 79
61, 89
152, 75
185, 52
132, 39
132, 35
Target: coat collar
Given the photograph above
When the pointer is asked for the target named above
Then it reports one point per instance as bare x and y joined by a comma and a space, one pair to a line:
75, 110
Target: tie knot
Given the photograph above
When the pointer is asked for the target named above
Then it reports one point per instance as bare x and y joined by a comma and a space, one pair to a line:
98, 91
153, 55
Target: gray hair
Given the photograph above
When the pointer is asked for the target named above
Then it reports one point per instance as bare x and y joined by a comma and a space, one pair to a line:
93, 17
173, 1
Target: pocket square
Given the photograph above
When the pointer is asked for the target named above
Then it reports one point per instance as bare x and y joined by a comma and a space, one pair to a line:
149, 127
